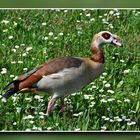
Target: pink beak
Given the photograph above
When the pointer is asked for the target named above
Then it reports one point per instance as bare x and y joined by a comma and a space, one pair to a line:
116, 43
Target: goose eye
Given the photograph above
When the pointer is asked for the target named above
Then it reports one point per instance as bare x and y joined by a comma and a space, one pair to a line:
106, 36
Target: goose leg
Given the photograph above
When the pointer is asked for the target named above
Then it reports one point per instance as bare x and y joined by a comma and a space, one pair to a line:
50, 105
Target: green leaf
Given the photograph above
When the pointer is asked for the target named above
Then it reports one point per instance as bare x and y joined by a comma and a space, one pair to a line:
137, 106
120, 84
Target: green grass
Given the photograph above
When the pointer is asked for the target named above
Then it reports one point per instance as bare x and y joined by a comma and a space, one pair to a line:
96, 107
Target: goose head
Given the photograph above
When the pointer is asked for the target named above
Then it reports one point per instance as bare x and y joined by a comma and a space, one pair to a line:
106, 37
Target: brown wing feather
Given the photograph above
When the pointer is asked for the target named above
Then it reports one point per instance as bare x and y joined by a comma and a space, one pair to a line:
21, 78
52, 66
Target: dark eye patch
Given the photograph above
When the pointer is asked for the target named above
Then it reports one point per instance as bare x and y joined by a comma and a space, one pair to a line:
106, 36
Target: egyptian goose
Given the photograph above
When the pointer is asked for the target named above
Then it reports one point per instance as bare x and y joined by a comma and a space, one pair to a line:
65, 75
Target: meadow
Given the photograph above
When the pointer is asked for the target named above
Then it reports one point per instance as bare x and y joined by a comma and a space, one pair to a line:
28, 38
